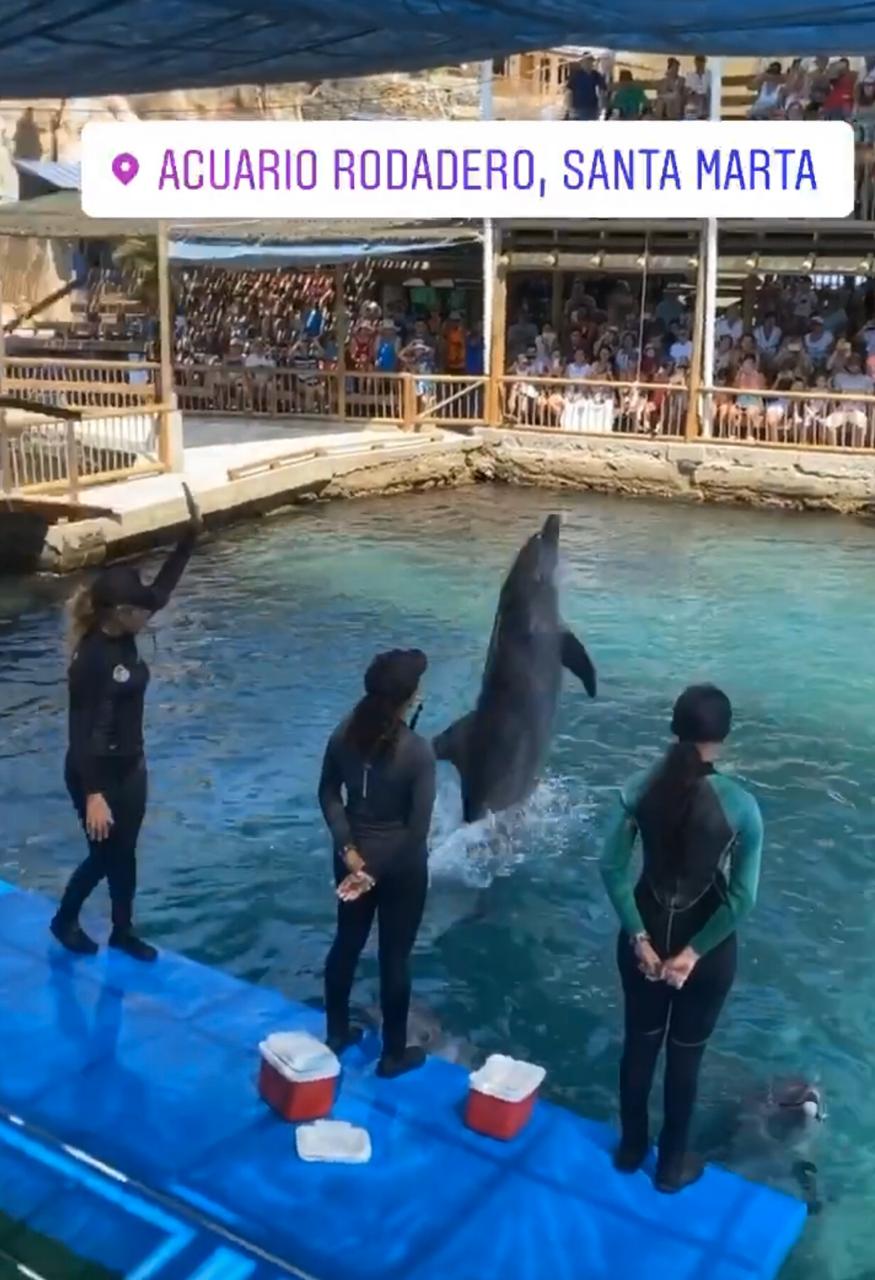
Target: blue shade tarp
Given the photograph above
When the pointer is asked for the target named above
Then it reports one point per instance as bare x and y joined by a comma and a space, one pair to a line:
261, 257
65, 48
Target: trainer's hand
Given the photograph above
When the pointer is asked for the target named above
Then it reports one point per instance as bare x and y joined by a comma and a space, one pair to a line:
648, 961
677, 970
355, 884
195, 519
352, 859
98, 817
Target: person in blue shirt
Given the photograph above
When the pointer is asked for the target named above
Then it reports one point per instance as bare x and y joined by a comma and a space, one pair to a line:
474, 351
587, 88
386, 358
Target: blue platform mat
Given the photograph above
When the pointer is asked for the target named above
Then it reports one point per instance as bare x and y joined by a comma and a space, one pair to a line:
151, 1071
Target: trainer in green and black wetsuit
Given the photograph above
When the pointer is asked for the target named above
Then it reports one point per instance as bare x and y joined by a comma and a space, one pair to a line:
701, 839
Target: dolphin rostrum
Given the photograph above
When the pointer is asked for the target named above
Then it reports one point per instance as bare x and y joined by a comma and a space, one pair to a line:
500, 747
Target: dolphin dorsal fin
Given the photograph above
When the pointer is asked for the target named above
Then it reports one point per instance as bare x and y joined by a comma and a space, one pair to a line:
453, 744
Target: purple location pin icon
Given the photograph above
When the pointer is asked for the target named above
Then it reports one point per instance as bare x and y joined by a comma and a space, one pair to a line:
125, 167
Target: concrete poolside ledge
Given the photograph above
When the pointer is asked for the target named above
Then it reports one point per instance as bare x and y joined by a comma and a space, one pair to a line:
701, 471
250, 476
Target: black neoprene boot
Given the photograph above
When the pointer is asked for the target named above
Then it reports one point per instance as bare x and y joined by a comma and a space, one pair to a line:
337, 1041
629, 1156
73, 937
674, 1173
392, 1065
122, 939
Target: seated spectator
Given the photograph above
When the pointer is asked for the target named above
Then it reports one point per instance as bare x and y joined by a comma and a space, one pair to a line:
521, 334
626, 360
682, 345
864, 113
730, 324
768, 336
387, 348
819, 83
578, 366
797, 87
839, 101
852, 415
453, 338
818, 341
628, 101
697, 85
749, 407
669, 103
770, 93
724, 362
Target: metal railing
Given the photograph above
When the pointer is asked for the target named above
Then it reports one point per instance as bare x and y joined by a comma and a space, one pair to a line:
594, 407
815, 419
82, 384
65, 455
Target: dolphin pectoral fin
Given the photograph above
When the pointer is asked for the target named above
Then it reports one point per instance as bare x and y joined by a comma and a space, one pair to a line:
576, 660
452, 744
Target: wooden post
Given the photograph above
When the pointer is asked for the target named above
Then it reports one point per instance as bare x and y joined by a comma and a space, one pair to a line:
72, 460
165, 336
498, 337
696, 371
556, 300
340, 327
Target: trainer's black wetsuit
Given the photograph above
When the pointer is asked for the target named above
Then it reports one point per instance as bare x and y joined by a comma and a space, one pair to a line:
107, 686
700, 908
386, 817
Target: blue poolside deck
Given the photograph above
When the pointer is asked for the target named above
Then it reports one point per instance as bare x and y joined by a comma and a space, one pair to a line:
151, 1071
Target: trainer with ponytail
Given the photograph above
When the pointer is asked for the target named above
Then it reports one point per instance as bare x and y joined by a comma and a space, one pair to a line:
106, 767
377, 794
701, 837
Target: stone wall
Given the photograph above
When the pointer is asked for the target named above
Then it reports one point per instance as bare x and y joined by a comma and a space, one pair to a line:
783, 478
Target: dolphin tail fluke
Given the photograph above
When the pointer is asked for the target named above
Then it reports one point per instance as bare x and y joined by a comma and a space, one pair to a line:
576, 660
452, 744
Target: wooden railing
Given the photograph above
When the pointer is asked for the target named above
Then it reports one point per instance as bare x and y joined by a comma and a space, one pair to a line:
64, 455
816, 419
82, 384
592, 407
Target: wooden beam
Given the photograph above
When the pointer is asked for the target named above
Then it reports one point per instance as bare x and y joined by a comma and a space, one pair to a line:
165, 336
498, 340
696, 377
341, 336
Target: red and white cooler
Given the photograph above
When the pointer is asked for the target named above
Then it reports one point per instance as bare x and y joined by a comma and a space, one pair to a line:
298, 1075
502, 1096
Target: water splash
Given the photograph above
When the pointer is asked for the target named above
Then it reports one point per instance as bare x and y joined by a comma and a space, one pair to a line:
477, 853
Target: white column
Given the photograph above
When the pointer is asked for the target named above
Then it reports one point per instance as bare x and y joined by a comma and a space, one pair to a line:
709, 247
487, 113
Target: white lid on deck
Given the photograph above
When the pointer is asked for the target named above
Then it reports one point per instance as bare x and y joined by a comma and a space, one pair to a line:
334, 1141
299, 1057
507, 1079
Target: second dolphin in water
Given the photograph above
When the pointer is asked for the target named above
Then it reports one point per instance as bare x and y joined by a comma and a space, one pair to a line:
500, 747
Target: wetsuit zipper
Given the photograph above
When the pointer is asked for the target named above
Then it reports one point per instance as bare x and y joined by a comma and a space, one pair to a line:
365, 781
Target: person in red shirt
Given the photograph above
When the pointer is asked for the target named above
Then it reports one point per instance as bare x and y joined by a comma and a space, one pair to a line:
839, 102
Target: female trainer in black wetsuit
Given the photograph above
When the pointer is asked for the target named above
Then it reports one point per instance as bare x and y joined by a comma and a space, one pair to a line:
105, 767
380, 848
677, 947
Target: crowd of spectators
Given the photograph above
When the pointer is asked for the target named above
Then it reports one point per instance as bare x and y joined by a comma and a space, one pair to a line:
611, 364
805, 341
604, 348
260, 324
803, 89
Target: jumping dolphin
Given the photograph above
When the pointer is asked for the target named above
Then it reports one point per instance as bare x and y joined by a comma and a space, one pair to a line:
499, 748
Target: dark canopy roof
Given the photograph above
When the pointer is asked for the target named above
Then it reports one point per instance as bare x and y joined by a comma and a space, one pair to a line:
66, 48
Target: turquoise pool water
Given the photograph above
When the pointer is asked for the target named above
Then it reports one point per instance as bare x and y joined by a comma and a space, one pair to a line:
262, 651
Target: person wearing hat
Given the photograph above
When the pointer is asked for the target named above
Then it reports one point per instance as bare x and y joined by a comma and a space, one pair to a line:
380, 834
105, 767
701, 838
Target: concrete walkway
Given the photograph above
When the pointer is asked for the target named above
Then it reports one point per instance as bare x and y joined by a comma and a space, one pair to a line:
232, 467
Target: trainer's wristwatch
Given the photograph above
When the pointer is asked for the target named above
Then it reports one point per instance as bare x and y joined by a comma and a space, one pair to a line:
640, 937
